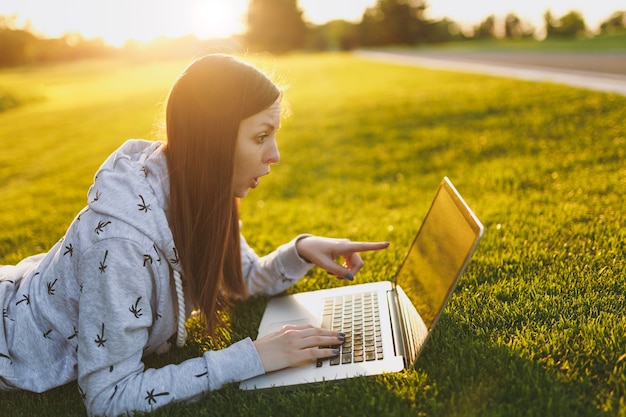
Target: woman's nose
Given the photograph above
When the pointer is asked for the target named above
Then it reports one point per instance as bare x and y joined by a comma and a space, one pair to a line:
272, 156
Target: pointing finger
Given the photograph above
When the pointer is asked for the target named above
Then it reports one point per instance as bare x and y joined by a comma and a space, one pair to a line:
365, 246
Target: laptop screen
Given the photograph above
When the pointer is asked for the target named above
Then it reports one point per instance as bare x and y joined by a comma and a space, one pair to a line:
447, 237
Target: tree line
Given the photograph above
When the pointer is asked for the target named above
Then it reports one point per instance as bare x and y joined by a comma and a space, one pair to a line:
399, 22
278, 26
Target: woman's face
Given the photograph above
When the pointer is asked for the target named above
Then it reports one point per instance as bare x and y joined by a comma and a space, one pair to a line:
256, 148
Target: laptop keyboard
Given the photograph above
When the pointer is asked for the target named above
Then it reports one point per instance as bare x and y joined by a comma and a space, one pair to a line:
358, 317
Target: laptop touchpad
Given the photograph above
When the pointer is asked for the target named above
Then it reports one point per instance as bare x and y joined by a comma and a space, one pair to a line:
282, 311
270, 327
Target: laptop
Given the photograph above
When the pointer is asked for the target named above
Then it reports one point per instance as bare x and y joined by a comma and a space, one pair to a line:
386, 323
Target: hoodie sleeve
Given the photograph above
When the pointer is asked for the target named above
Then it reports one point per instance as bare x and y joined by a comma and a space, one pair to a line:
116, 314
275, 272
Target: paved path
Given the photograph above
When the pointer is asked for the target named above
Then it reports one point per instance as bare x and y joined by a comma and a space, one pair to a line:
596, 71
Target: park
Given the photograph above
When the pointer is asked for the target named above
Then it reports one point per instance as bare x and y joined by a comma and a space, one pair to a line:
536, 324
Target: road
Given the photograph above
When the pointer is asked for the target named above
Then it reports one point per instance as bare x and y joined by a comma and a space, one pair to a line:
602, 71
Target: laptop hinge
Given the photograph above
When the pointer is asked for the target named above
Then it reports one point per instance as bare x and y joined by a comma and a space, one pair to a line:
397, 327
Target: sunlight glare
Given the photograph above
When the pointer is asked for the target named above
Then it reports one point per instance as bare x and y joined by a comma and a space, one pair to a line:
215, 19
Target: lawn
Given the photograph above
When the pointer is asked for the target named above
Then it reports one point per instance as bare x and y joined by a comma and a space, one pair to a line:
536, 326
607, 42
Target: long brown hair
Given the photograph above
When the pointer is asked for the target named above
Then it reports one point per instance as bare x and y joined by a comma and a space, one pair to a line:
204, 110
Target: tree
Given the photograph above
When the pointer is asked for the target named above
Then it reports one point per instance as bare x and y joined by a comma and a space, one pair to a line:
275, 26
487, 28
22, 47
371, 28
394, 22
570, 25
18, 47
615, 23
512, 26
333, 35
443, 30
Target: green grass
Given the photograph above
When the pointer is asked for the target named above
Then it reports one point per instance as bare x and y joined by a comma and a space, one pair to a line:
609, 42
536, 326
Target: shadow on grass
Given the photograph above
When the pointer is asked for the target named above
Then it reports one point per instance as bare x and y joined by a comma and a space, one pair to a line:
61, 401
476, 378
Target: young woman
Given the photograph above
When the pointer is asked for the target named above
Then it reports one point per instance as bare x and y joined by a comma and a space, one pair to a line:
159, 238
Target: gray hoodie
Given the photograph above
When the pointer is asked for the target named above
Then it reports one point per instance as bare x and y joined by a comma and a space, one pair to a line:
104, 296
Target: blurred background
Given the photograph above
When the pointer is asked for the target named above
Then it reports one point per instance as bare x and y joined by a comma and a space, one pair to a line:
40, 31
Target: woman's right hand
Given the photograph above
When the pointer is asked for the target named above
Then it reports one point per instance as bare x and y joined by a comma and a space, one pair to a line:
324, 251
295, 344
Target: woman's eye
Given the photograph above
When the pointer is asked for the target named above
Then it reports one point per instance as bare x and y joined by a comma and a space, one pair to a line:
261, 138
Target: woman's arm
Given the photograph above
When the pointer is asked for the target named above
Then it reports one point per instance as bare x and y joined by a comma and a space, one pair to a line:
118, 309
275, 272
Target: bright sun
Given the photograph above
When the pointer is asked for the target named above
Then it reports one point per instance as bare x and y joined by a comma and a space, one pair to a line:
118, 21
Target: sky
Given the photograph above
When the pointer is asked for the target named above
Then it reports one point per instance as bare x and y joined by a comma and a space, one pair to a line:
119, 20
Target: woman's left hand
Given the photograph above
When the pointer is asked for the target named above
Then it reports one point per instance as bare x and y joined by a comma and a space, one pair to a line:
293, 345
324, 252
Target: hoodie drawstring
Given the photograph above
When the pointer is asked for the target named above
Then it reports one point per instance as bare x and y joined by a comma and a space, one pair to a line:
181, 332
